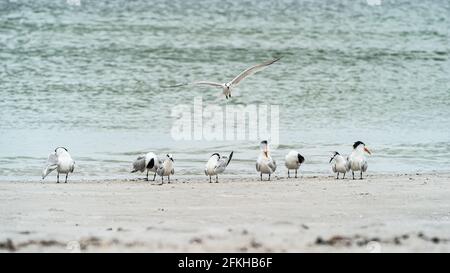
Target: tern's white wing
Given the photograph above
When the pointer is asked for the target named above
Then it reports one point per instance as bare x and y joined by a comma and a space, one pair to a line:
364, 165
222, 163
52, 164
272, 165
52, 159
215, 84
251, 70
72, 167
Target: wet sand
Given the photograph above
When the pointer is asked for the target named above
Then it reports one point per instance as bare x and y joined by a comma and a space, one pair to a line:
382, 213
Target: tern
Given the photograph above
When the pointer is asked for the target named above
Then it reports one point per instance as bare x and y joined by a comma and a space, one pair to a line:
166, 168
61, 161
293, 160
148, 161
356, 161
228, 86
217, 165
339, 164
265, 163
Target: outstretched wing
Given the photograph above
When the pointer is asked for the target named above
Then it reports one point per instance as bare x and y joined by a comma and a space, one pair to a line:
52, 159
215, 84
52, 164
139, 164
252, 70
222, 164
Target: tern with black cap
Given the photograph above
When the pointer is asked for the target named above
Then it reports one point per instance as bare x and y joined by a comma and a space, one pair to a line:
217, 165
356, 161
339, 164
292, 161
265, 164
61, 161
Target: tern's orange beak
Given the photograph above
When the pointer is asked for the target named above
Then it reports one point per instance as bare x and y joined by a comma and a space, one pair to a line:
367, 151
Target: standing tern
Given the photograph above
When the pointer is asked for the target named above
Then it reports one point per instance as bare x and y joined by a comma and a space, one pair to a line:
293, 160
339, 164
228, 86
148, 161
356, 161
216, 165
265, 163
166, 168
61, 161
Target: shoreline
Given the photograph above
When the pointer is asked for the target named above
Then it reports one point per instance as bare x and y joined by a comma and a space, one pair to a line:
225, 177
382, 213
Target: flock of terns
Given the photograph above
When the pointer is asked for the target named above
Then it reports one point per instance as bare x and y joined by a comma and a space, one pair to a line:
62, 162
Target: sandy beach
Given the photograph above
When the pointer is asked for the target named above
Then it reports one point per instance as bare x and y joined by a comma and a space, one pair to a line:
383, 213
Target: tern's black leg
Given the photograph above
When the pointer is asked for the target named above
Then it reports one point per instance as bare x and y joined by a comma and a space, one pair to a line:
168, 177
269, 177
337, 177
343, 177
261, 176
154, 177
353, 174
295, 173
361, 176
289, 176
57, 178
67, 174
210, 179
146, 179
217, 178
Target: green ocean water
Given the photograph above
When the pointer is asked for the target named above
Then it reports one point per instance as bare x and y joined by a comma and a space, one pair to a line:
90, 76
